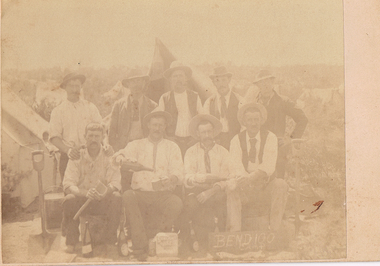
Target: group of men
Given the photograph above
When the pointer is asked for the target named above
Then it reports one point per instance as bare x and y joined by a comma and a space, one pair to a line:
177, 160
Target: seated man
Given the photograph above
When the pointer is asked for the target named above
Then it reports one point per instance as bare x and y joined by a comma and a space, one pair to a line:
79, 183
206, 163
152, 190
256, 149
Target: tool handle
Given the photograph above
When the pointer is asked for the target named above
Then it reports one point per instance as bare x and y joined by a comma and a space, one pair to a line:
84, 206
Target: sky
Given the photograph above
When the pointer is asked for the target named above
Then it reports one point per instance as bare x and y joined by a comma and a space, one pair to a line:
101, 34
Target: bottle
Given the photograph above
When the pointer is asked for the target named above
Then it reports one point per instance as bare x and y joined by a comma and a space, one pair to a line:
122, 243
194, 244
87, 250
216, 225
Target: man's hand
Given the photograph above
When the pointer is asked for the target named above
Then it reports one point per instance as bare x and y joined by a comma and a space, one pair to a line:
94, 195
258, 178
205, 195
200, 178
242, 181
74, 153
170, 182
283, 141
108, 150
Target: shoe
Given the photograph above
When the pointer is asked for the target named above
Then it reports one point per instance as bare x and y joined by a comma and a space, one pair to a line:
70, 249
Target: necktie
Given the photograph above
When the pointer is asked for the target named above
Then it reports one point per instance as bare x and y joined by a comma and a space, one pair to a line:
252, 151
223, 110
136, 113
207, 158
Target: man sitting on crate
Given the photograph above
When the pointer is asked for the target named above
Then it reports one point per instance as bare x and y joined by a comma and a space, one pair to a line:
81, 178
259, 196
206, 163
158, 168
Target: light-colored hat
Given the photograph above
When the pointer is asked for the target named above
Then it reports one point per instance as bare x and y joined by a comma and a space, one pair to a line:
220, 71
260, 107
194, 123
72, 76
134, 74
176, 65
263, 74
164, 114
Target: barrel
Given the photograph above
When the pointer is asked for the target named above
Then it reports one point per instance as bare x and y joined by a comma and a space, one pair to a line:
53, 210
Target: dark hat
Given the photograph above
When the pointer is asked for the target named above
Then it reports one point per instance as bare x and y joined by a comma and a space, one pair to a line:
134, 74
72, 76
246, 106
194, 123
220, 71
263, 74
175, 65
164, 114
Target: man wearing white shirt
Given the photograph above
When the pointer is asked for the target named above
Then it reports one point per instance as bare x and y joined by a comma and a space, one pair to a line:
224, 105
152, 197
256, 149
182, 103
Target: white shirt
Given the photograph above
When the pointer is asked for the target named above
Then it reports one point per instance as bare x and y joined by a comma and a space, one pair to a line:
85, 172
221, 163
69, 120
268, 164
184, 115
166, 162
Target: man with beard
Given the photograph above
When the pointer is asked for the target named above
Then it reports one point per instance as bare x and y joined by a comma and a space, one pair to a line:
126, 117
278, 108
69, 119
80, 180
151, 197
182, 103
259, 194
224, 105
206, 163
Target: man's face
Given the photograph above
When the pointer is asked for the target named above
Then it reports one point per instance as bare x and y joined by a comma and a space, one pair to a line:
178, 80
94, 139
157, 126
136, 85
252, 121
222, 84
266, 87
206, 133
73, 88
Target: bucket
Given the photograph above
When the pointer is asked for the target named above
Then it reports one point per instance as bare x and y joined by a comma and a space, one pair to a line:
53, 208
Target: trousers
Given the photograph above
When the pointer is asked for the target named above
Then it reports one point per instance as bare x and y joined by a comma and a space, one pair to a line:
142, 206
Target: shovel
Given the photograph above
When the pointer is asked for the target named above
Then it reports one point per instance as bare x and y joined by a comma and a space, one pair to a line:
41, 243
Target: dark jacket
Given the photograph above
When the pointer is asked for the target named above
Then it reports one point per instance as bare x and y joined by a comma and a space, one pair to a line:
121, 118
278, 108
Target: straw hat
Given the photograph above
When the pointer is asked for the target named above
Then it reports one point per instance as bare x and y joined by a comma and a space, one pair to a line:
220, 71
263, 74
194, 123
260, 107
164, 114
175, 65
72, 76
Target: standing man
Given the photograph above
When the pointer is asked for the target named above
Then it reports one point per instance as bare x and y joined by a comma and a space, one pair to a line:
80, 180
256, 149
127, 115
278, 107
151, 197
69, 119
224, 105
206, 164
182, 103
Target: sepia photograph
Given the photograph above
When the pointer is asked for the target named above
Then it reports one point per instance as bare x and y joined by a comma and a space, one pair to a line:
172, 131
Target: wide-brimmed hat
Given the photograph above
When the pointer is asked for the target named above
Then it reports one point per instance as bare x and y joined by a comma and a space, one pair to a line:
220, 71
194, 123
246, 106
263, 74
164, 114
176, 65
134, 74
72, 76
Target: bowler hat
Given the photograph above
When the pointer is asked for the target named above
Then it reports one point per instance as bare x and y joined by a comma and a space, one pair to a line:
194, 123
134, 74
263, 74
260, 107
72, 76
176, 65
164, 114
220, 71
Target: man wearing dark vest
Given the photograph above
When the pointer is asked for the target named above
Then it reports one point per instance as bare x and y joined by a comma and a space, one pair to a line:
182, 103
224, 106
259, 192
127, 114
278, 108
